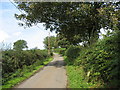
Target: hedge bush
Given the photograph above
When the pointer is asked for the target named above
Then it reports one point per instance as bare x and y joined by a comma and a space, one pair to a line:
15, 60
102, 61
72, 52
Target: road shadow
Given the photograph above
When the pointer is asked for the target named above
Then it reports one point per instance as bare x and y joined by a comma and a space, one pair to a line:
58, 63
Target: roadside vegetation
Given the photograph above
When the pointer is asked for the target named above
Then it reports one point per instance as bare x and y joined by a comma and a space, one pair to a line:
91, 62
96, 66
19, 64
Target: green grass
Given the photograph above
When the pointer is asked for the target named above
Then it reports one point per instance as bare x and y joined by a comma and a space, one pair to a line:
76, 77
25, 74
46, 62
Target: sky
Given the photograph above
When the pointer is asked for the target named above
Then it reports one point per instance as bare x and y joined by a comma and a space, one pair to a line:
10, 31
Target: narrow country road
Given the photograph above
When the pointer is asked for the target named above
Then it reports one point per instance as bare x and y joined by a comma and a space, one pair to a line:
52, 76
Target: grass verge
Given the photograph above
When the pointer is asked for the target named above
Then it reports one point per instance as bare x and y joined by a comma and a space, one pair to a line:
76, 78
24, 74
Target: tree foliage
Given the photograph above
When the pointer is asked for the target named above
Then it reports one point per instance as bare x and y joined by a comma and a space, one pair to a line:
50, 41
20, 45
77, 22
62, 41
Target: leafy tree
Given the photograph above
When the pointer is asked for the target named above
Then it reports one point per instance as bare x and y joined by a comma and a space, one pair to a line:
77, 22
62, 41
20, 45
52, 40
110, 15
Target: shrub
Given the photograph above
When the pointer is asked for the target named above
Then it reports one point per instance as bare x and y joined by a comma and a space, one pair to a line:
14, 60
72, 52
101, 60
62, 51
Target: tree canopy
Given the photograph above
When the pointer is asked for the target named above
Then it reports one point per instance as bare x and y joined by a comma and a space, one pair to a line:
52, 42
20, 45
76, 21
62, 41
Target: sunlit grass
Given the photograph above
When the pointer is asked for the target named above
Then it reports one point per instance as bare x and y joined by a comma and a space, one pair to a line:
46, 62
76, 77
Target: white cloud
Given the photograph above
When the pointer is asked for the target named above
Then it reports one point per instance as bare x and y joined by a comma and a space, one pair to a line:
12, 32
103, 31
37, 38
17, 33
3, 36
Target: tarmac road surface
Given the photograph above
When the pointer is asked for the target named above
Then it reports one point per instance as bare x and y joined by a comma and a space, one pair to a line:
52, 76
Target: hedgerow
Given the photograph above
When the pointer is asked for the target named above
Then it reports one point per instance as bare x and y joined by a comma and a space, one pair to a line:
101, 61
72, 52
13, 61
